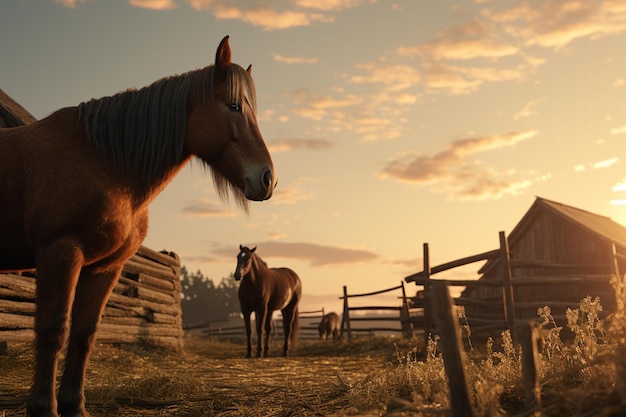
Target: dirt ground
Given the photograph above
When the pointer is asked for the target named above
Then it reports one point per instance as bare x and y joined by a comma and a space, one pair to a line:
213, 379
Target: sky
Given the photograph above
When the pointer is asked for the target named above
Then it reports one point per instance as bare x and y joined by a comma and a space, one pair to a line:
390, 123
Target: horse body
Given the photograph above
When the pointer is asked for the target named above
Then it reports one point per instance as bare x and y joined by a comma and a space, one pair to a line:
329, 325
76, 188
107, 220
262, 291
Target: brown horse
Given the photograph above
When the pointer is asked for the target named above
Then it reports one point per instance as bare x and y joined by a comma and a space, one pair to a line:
329, 326
262, 291
76, 188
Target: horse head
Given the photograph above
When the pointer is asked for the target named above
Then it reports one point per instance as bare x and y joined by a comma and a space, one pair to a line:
223, 131
244, 262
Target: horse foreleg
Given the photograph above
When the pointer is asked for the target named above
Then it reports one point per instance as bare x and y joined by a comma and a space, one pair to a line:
92, 292
259, 319
287, 328
58, 267
266, 336
246, 320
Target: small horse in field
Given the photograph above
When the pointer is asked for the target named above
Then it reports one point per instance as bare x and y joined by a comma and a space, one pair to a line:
262, 291
76, 187
329, 325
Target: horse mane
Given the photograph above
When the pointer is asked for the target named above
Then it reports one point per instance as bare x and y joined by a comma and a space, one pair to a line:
259, 260
143, 131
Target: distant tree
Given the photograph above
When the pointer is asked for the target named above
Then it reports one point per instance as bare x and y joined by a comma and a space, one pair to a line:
202, 300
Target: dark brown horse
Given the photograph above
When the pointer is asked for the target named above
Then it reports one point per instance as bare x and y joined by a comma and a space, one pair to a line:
262, 291
329, 325
75, 192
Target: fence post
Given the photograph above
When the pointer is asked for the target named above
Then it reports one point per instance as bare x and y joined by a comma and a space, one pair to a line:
530, 359
427, 318
405, 316
507, 286
346, 314
451, 350
615, 265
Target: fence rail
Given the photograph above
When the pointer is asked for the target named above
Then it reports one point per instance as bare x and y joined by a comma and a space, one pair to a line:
502, 312
404, 314
308, 327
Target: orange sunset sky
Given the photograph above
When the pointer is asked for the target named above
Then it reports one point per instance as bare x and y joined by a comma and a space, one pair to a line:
391, 123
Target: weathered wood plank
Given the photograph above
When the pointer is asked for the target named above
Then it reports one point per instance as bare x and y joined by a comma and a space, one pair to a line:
20, 307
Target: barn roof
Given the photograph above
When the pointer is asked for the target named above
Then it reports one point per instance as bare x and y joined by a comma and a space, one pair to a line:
595, 224
11, 113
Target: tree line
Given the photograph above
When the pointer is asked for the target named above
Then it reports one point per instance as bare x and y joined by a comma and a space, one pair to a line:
203, 300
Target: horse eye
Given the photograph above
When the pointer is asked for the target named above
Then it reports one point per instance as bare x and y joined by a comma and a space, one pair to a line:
235, 107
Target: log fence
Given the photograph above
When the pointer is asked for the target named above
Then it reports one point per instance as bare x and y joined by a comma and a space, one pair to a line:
490, 315
143, 307
309, 321
405, 324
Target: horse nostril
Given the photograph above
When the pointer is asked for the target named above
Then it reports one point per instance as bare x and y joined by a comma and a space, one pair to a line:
268, 179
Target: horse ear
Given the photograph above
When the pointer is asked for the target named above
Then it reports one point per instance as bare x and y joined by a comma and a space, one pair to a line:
253, 249
223, 55
240, 247
249, 70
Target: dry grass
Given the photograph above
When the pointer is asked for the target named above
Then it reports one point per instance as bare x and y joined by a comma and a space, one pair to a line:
585, 376
212, 379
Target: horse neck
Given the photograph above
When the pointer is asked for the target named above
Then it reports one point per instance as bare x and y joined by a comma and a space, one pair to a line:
258, 270
142, 132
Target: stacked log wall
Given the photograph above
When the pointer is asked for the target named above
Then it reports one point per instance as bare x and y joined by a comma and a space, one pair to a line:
143, 308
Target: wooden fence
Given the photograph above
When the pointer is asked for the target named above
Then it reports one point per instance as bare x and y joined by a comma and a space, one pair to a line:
453, 354
215, 329
144, 305
494, 314
405, 324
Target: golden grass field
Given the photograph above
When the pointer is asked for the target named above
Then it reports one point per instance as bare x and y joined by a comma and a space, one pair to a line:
212, 379
377, 376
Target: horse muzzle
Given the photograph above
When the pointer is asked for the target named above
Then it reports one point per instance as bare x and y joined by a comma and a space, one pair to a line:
260, 186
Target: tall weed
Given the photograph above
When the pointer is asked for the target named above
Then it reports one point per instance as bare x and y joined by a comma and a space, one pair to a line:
496, 376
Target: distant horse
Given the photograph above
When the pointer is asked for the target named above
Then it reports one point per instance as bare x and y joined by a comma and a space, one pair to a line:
75, 190
329, 325
262, 291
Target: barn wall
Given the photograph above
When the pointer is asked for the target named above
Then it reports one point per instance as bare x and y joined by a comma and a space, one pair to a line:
144, 306
550, 238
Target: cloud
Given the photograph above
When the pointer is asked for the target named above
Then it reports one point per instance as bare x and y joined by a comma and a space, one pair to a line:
282, 145
392, 77
618, 130
294, 60
328, 5
554, 24
462, 42
267, 18
452, 171
620, 186
528, 109
206, 208
294, 193
70, 4
607, 163
315, 107
315, 254
153, 4
375, 116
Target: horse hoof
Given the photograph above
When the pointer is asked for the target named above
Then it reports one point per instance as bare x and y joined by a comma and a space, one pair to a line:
73, 410
41, 414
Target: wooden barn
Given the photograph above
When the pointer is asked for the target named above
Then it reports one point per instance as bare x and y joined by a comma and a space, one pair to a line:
145, 303
11, 113
559, 255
